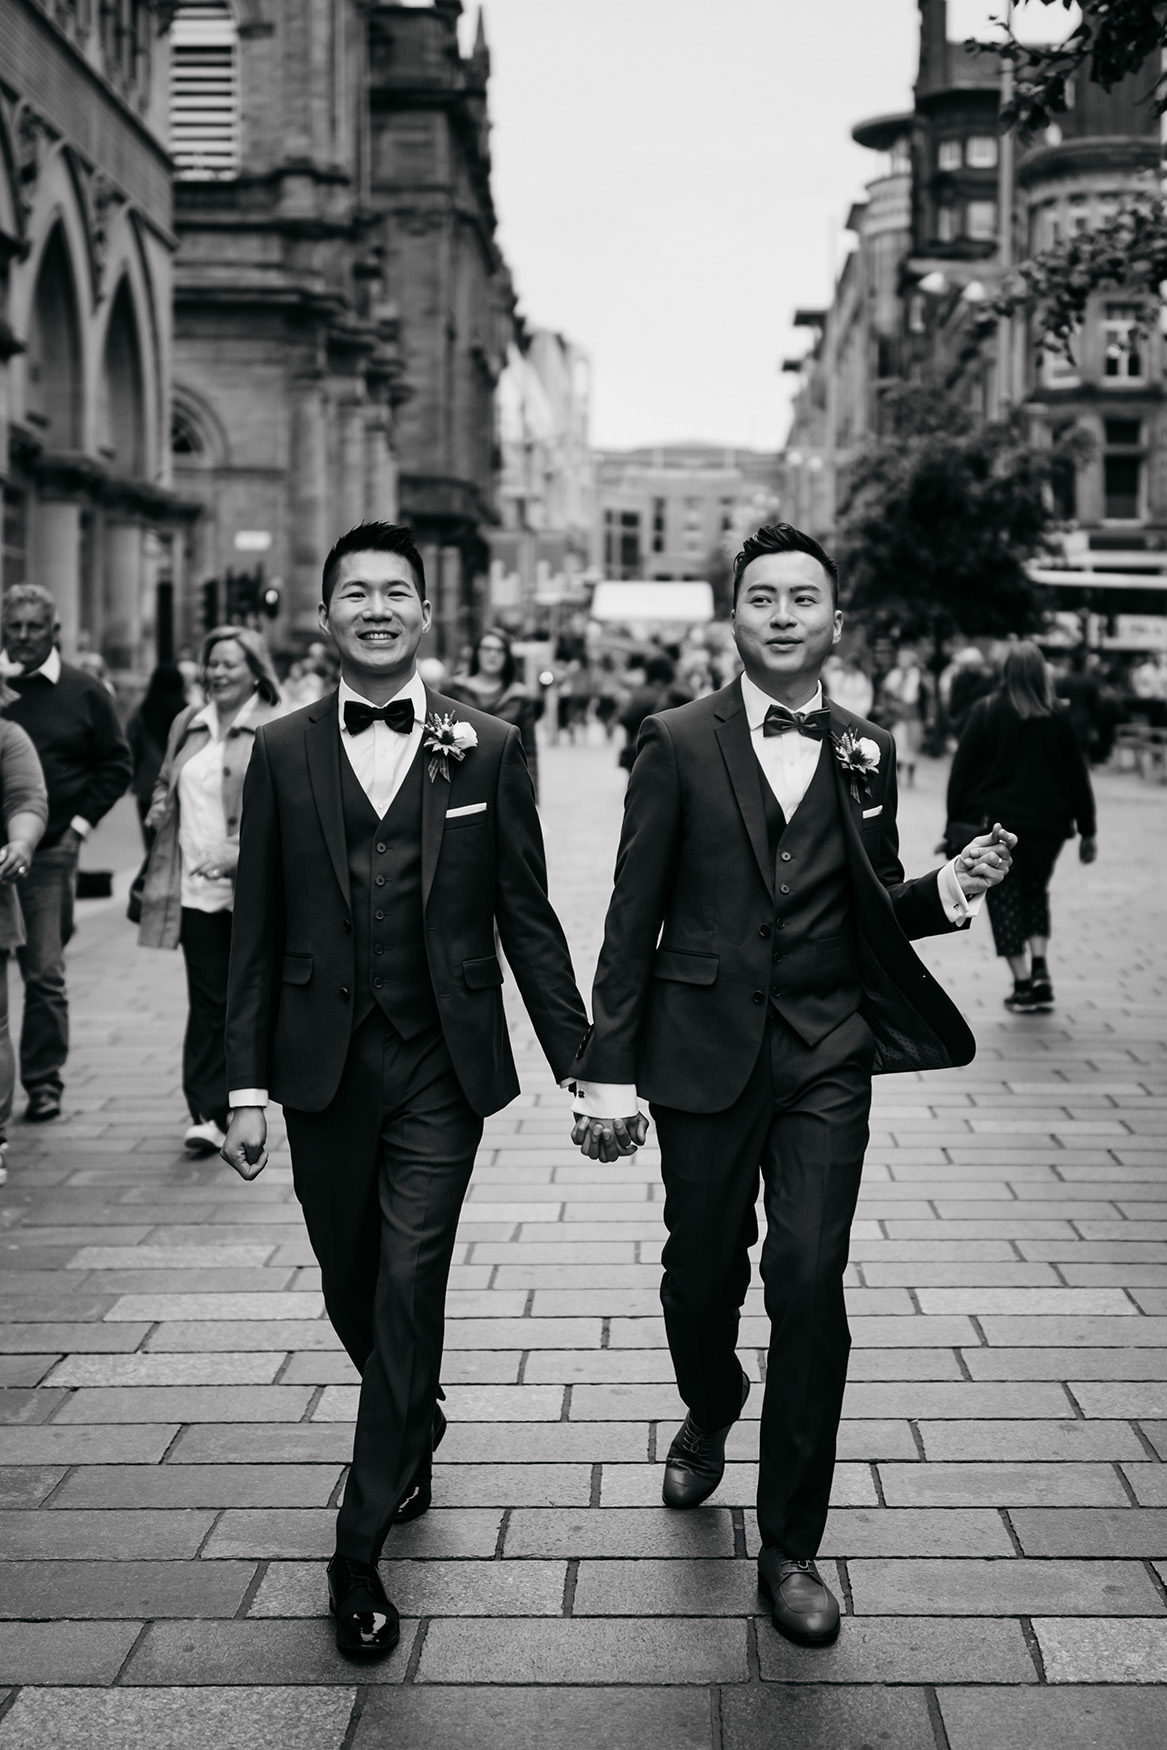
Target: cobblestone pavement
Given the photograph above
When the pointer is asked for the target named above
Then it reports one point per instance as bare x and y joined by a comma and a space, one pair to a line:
176, 1414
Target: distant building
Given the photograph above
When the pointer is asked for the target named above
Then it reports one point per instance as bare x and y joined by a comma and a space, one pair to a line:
672, 510
86, 241
541, 547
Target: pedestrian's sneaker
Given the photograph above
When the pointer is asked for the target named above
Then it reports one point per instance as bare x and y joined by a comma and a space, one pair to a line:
1041, 993
205, 1138
3, 1161
1020, 999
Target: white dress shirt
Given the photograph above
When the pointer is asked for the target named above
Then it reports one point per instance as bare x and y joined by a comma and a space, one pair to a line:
380, 757
202, 823
788, 764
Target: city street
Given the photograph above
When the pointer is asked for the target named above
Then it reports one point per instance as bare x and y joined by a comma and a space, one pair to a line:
176, 1415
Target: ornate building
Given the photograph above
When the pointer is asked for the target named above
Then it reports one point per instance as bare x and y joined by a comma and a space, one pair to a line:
86, 243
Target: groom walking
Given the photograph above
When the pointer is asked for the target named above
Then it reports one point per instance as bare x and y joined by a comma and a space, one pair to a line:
386, 832
756, 971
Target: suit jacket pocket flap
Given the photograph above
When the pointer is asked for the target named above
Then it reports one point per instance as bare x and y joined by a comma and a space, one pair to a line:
685, 967
482, 974
297, 969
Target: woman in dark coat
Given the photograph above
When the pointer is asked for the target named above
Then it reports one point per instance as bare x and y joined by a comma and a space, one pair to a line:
148, 731
491, 683
1020, 760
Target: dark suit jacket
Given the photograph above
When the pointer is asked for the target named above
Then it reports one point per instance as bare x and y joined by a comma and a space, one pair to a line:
292, 979
688, 943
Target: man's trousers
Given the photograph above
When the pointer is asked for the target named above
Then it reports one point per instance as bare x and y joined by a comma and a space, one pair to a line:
381, 1175
801, 1123
47, 894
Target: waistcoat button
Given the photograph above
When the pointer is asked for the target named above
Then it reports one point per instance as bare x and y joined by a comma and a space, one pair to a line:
784, 888
759, 996
345, 993
379, 915
379, 880
764, 931
787, 856
377, 983
382, 849
378, 947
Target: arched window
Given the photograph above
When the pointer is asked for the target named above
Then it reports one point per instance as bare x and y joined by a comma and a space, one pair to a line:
121, 411
54, 349
204, 90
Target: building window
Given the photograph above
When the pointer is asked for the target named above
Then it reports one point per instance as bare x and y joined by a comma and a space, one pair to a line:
1057, 370
982, 219
1079, 216
630, 542
950, 155
946, 224
982, 152
1122, 470
1122, 355
658, 525
204, 91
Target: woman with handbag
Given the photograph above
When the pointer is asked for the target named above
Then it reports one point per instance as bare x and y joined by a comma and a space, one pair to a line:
24, 804
189, 887
1019, 759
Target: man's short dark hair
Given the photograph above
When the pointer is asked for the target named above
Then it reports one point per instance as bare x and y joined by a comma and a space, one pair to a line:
374, 538
782, 538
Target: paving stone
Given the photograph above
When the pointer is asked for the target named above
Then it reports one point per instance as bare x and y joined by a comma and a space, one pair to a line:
889, 1364
639, 1485
545, 1442
114, 1589
1000, 1484
74, 1652
255, 1652
18, 1370
1156, 1433
57, 1444
1146, 1398
1117, 1531
495, 1403
424, 1588
117, 1535
607, 1366
25, 1408
244, 1307
915, 1274
869, 1441
962, 1586
213, 1336
200, 1485
210, 1279
584, 1649
884, 1531
826, 1718
25, 1339
1079, 1718
1043, 1442
920, 1399
618, 1531
225, 1368
27, 1485
694, 1586
260, 1443
511, 1485
64, 1303
1148, 1482
899, 1649
1065, 1364
273, 1533
1038, 1302
186, 1403
536, 1718
1075, 1333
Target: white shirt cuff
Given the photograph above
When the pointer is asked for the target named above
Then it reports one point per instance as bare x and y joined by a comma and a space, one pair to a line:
605, 1099
957, 905
247, 1097
81, 826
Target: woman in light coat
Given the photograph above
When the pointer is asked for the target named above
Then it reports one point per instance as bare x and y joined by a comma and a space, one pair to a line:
189, 890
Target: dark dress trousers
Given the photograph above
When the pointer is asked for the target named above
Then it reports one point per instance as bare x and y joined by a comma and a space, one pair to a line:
365, 994
755, 972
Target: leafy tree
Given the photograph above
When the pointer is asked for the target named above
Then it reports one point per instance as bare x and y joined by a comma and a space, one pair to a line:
1113, 39
941, 516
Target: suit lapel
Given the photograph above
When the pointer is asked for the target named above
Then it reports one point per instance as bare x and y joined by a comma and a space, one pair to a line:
435, 799
322, 746
733, 735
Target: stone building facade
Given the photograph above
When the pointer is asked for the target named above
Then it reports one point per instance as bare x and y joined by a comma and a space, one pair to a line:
86, 248
670, 511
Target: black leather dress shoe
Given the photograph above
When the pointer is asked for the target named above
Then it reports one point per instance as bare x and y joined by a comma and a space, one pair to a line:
696, 1461
802, 1605
44, 1104
367, 1622
420, 1493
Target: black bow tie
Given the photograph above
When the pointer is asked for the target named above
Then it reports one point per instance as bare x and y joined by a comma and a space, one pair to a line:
358, 716
779, 721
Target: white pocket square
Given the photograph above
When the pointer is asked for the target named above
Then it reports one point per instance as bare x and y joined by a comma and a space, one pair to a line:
868, 812
470, 808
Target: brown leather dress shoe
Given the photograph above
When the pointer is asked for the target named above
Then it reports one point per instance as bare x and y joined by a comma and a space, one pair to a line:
802, 1606
417, 1501
696, 1461
367, 1621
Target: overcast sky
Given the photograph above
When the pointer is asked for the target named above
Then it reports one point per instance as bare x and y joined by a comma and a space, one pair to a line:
672, 178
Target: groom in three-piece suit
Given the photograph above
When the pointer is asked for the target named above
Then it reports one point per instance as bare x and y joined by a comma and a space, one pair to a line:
756, 971
364, 996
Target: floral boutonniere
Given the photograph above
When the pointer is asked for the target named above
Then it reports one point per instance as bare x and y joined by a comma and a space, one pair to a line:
858, 755
446, 739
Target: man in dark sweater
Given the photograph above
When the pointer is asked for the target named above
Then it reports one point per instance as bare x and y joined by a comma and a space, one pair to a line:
70, 719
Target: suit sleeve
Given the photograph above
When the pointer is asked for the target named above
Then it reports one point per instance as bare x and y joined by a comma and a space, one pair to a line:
531, 934
649, 840
257, 930
917, 903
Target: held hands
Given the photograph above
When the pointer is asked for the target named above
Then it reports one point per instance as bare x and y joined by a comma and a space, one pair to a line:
607, 1139
245, 1147
985, 861
1087, 850
220, 864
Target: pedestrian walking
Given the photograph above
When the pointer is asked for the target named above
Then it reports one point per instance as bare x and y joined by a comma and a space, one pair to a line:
24, 807
387, 830
148, 732
189, 890
491, 682
70, 719
1020, 758
756, 970
903, 702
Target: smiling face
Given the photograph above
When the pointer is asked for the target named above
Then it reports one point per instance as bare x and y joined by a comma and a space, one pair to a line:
785, 624
376, 620
228, 677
